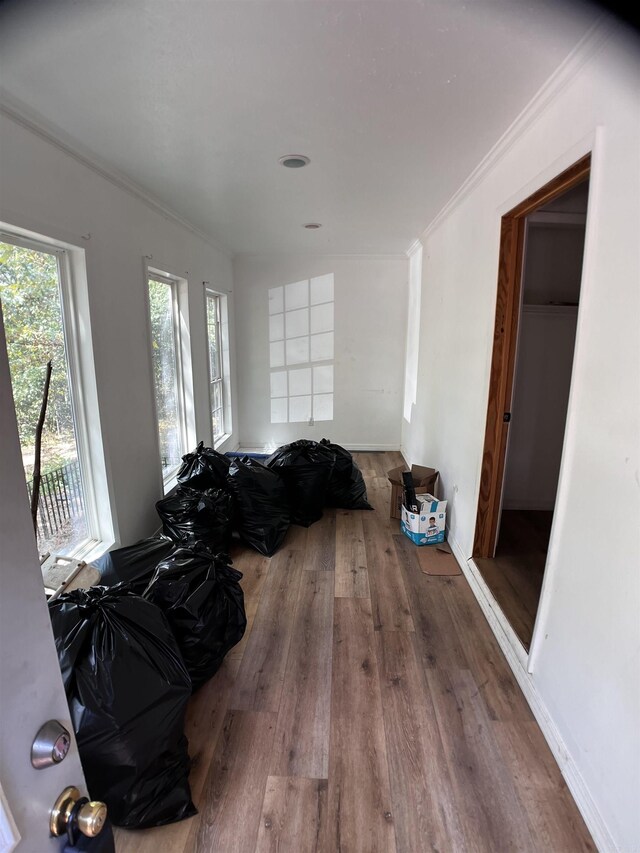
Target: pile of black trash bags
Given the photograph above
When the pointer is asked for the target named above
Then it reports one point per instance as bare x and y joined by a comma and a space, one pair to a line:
217, 496
168, 610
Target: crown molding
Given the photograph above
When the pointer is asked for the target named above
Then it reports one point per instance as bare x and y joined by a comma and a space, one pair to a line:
414, 247
586, 48
353, 256
20, 114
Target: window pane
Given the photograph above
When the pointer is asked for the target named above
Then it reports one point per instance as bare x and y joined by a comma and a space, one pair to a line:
215, 365
165, 373
217, 419
32, 306
213, 336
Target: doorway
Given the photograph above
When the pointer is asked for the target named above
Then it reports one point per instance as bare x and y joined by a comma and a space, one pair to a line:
542, 245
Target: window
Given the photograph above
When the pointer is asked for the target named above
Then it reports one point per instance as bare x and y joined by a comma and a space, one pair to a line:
412, 352
166, 356
216, 381
301, 351
39, 299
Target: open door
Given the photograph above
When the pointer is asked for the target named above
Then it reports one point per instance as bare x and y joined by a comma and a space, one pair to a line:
503, 362
31, 689
540, 273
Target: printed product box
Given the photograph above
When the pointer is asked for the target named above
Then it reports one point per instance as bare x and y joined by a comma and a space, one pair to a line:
428, 527
424, 480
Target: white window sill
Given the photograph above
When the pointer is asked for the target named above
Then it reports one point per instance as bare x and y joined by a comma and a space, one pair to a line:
170, 483
85, 552
94, 551
220, 441
170, 479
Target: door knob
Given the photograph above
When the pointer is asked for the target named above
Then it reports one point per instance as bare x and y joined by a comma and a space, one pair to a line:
72, 813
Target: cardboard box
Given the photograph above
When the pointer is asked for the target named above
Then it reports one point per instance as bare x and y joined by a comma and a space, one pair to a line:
428, 526
425, 480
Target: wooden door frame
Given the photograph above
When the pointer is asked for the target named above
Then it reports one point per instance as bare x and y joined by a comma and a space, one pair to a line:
505, 338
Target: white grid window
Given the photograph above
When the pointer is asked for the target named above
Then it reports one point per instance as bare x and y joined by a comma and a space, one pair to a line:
42, 294
301, 347
166, 356
216, 379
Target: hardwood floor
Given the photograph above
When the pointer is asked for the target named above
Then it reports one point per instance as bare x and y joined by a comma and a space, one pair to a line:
515, 574
367, 710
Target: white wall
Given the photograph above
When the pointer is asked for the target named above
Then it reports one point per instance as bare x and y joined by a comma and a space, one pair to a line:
370, 325
546, 341
46, 190
586, 667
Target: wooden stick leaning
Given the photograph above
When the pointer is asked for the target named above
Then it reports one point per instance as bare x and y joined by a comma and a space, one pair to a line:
35, 491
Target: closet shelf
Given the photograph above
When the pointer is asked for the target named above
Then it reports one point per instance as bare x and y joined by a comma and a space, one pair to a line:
543, 308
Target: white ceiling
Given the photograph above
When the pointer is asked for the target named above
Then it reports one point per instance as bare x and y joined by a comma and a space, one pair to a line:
394, 101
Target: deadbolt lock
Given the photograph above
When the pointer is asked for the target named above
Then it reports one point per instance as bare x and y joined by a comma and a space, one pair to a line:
50, 746
72, 813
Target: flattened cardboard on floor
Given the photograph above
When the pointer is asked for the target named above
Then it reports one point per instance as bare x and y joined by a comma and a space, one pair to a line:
424, 479
434, 561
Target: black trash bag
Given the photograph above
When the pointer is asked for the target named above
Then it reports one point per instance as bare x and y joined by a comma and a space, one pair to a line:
203, 469
190, 516
127, 688
261, 505
305, 467
201, 597
346, 487
134, 564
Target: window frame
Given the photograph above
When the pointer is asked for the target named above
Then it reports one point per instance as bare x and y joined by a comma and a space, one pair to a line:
175, 283
71, 267
209, 293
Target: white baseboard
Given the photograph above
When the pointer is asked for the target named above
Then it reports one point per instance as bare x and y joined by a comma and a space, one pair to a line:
517, 659
357, 448
372, 448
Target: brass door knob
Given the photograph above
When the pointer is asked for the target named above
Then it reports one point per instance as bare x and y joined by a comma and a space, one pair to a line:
89, 816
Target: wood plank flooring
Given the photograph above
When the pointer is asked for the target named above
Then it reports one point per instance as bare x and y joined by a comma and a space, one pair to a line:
367, 710
515, 574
